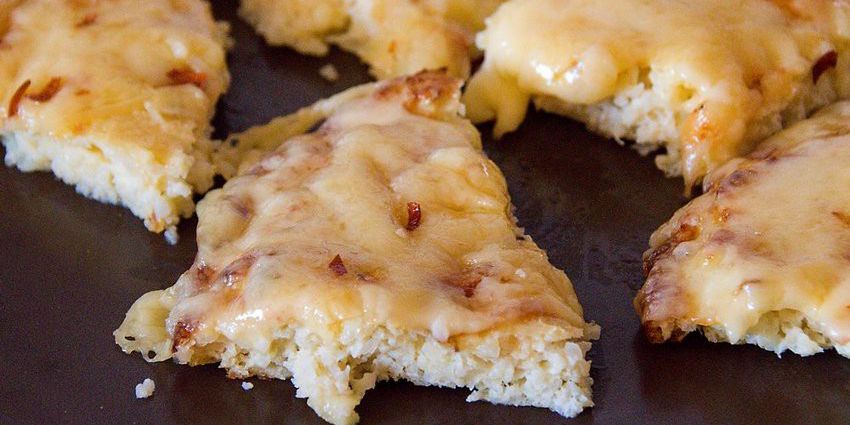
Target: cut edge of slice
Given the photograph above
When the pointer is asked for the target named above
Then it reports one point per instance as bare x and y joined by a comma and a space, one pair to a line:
508, 365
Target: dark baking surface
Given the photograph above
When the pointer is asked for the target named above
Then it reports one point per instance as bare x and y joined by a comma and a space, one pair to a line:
70, 268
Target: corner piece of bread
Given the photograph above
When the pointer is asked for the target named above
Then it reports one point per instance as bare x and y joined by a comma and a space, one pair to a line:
656, 73
394, 37
115, 98
763, 257
378, 247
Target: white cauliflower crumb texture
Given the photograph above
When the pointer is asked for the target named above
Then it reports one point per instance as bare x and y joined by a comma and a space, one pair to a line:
145, 389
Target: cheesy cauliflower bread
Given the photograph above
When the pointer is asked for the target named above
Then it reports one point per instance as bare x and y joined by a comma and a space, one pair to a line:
379, 247
763, 257
395, 37
705, 80
115, 98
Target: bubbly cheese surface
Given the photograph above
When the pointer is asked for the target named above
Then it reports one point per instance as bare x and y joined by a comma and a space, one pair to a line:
722, 74
389, 213
126, 87
769, 238
394, 37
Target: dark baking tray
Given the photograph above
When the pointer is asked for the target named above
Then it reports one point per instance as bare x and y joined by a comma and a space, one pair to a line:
71, 267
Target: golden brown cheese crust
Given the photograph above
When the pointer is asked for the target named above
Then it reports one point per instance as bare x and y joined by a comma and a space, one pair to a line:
394, 37
389, 211
770, 235
658, 73
117, 81
380, 246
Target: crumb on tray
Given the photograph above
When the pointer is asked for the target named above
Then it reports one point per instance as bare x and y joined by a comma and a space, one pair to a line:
329, 72
145, 389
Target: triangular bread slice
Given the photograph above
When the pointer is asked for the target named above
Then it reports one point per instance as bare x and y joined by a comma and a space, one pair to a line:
395, 37
704, 80
115, 98
763, 257
379, 247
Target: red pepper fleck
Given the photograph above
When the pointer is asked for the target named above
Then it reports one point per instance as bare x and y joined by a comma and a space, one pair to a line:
47, 93
414, 215
336, 265
187, 76
16, 99
826, 62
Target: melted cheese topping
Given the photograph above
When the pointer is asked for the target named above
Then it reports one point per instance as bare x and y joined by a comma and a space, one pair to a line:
772, 234
324, 230
139, 75
115, 97
393, 37
722, 71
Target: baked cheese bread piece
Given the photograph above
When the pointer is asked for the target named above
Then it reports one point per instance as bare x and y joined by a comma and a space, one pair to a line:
705, 80
115, 98
395, 37
379, 247
763, 257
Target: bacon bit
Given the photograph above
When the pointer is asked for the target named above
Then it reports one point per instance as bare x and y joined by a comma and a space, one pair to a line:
826, 62
87, 20
187, 76
414, 216
182, 333
843, 217
336, 265
82, 92
16, 99
47, 93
